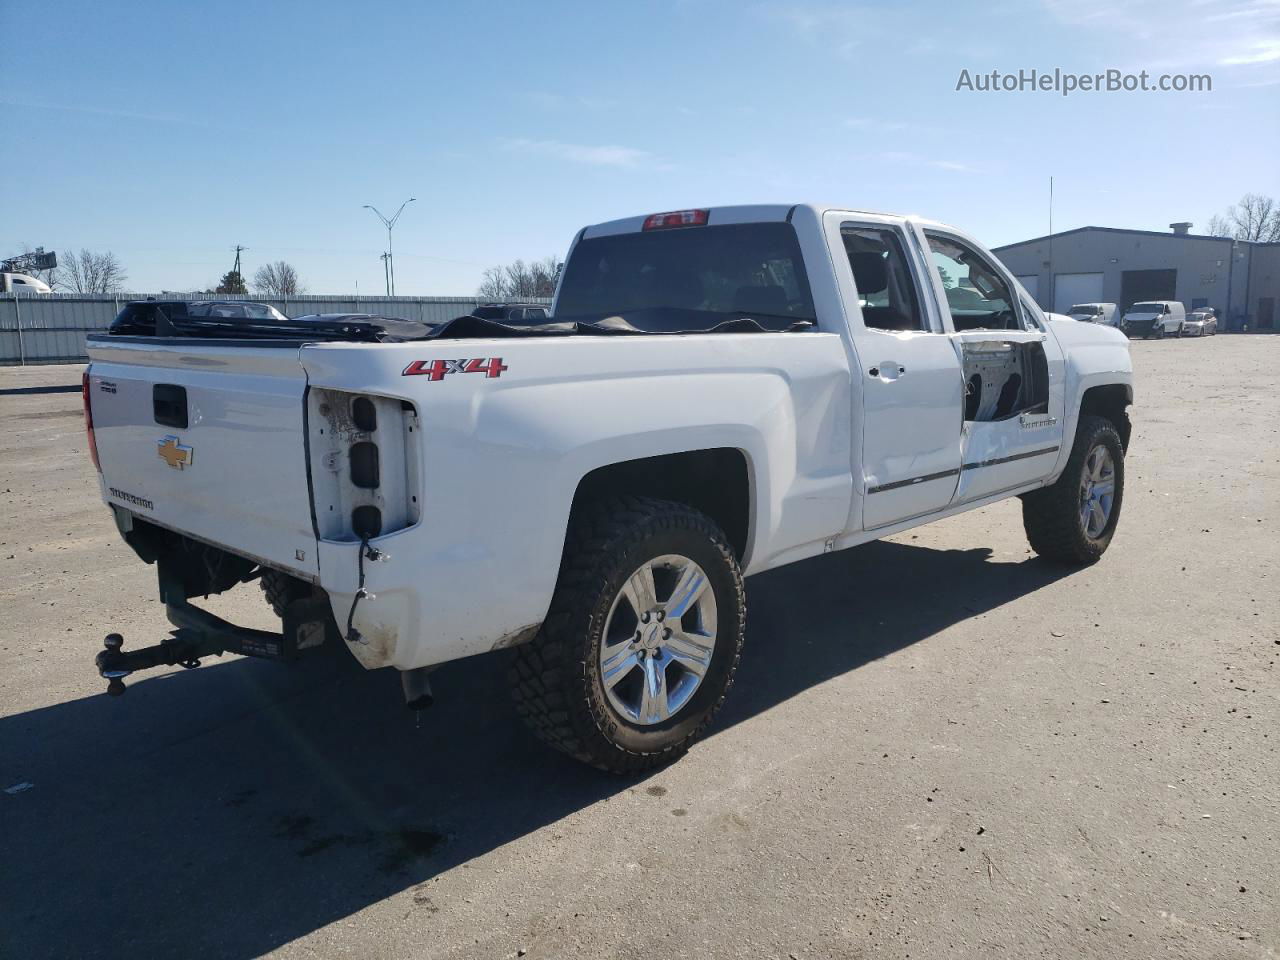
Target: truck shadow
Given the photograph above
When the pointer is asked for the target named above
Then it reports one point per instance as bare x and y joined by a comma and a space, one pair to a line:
232, 810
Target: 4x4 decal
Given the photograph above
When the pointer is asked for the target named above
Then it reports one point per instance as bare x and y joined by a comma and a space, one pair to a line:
491, 367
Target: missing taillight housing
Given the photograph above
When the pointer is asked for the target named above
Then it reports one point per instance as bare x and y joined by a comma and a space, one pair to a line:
365, 450
364, 414
88, 420
676, 218
364, 465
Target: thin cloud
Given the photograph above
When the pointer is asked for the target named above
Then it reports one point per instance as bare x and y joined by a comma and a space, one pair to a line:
605, 155
871, 123
11, 101
1263, 51
549, 100
1186, 33
849, 29
916, 160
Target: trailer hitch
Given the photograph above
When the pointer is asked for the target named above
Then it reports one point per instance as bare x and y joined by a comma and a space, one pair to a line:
308, 622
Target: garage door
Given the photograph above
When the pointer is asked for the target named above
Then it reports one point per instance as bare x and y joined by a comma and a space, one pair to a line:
1141, 285
1032, 283
1073, 288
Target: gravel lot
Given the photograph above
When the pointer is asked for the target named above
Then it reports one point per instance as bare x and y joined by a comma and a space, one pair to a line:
938, 745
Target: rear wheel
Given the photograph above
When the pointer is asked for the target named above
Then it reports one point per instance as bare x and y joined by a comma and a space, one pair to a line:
1074, 520
280, 590
642, 639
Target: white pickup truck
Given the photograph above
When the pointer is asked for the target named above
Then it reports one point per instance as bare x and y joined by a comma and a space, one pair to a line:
717, 393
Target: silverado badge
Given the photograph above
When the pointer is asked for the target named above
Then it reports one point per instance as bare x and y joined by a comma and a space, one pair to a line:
174, 453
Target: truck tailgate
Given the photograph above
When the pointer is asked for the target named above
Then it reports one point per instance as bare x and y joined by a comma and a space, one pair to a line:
208, 440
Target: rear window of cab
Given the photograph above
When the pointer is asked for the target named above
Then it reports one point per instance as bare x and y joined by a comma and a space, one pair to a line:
689, 278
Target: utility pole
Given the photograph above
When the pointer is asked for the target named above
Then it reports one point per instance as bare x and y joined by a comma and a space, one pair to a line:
1052, 303
236, 269
389, 223
386, 259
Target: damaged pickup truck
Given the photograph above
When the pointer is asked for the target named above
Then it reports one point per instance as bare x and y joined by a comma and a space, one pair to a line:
717, 393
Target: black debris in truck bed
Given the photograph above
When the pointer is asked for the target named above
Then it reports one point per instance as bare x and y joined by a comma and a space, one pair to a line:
173, 319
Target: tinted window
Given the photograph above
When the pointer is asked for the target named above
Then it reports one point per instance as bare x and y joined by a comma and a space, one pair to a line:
136, 319
886, 292
1086, 310
688, 279
490, 313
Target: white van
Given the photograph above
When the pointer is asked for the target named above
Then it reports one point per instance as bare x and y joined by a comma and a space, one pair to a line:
1104, 313
1154, 318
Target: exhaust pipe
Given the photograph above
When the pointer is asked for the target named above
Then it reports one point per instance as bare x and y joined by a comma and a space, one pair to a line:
417, 688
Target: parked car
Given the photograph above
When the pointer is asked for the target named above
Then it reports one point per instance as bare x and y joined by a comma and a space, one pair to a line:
725, 391
153, 317
1200, 322
1104, 313
1154, 318
512, 312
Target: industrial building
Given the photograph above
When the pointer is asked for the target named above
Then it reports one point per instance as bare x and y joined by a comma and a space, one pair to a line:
1108, 265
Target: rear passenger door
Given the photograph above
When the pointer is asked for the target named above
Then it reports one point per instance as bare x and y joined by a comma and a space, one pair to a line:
1011, 366
908, 371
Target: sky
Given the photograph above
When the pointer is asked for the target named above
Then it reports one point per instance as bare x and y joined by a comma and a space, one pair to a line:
168, 133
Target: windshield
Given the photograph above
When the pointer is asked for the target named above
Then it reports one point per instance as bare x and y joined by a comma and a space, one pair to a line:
688, 279
1147, 308
1086, 309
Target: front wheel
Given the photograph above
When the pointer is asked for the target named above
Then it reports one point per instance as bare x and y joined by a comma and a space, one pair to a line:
642, 639
1073, 520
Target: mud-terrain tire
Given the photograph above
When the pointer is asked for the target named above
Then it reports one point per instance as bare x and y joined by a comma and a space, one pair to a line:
280, 590
1062, 520
575, 683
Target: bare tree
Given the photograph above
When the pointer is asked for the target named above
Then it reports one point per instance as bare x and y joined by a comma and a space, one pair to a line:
277, 279
1219, 226
520, 280
493, 286
1256, 217
89, 272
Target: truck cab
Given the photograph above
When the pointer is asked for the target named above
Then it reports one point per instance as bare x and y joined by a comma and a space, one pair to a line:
21, 283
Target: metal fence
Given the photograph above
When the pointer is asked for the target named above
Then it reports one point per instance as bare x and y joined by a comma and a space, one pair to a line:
50, 328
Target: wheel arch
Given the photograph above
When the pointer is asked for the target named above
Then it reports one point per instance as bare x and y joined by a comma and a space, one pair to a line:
1110, 401
715, 481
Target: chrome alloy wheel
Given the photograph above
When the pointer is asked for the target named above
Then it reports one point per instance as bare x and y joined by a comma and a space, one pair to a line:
658, 639
1097, 491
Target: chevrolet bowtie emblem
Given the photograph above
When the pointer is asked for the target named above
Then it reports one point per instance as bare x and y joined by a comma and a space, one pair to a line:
173, 453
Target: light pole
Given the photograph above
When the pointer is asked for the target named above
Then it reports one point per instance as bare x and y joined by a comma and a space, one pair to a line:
389, 223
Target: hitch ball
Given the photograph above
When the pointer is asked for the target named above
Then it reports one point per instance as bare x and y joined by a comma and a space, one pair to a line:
108, 666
